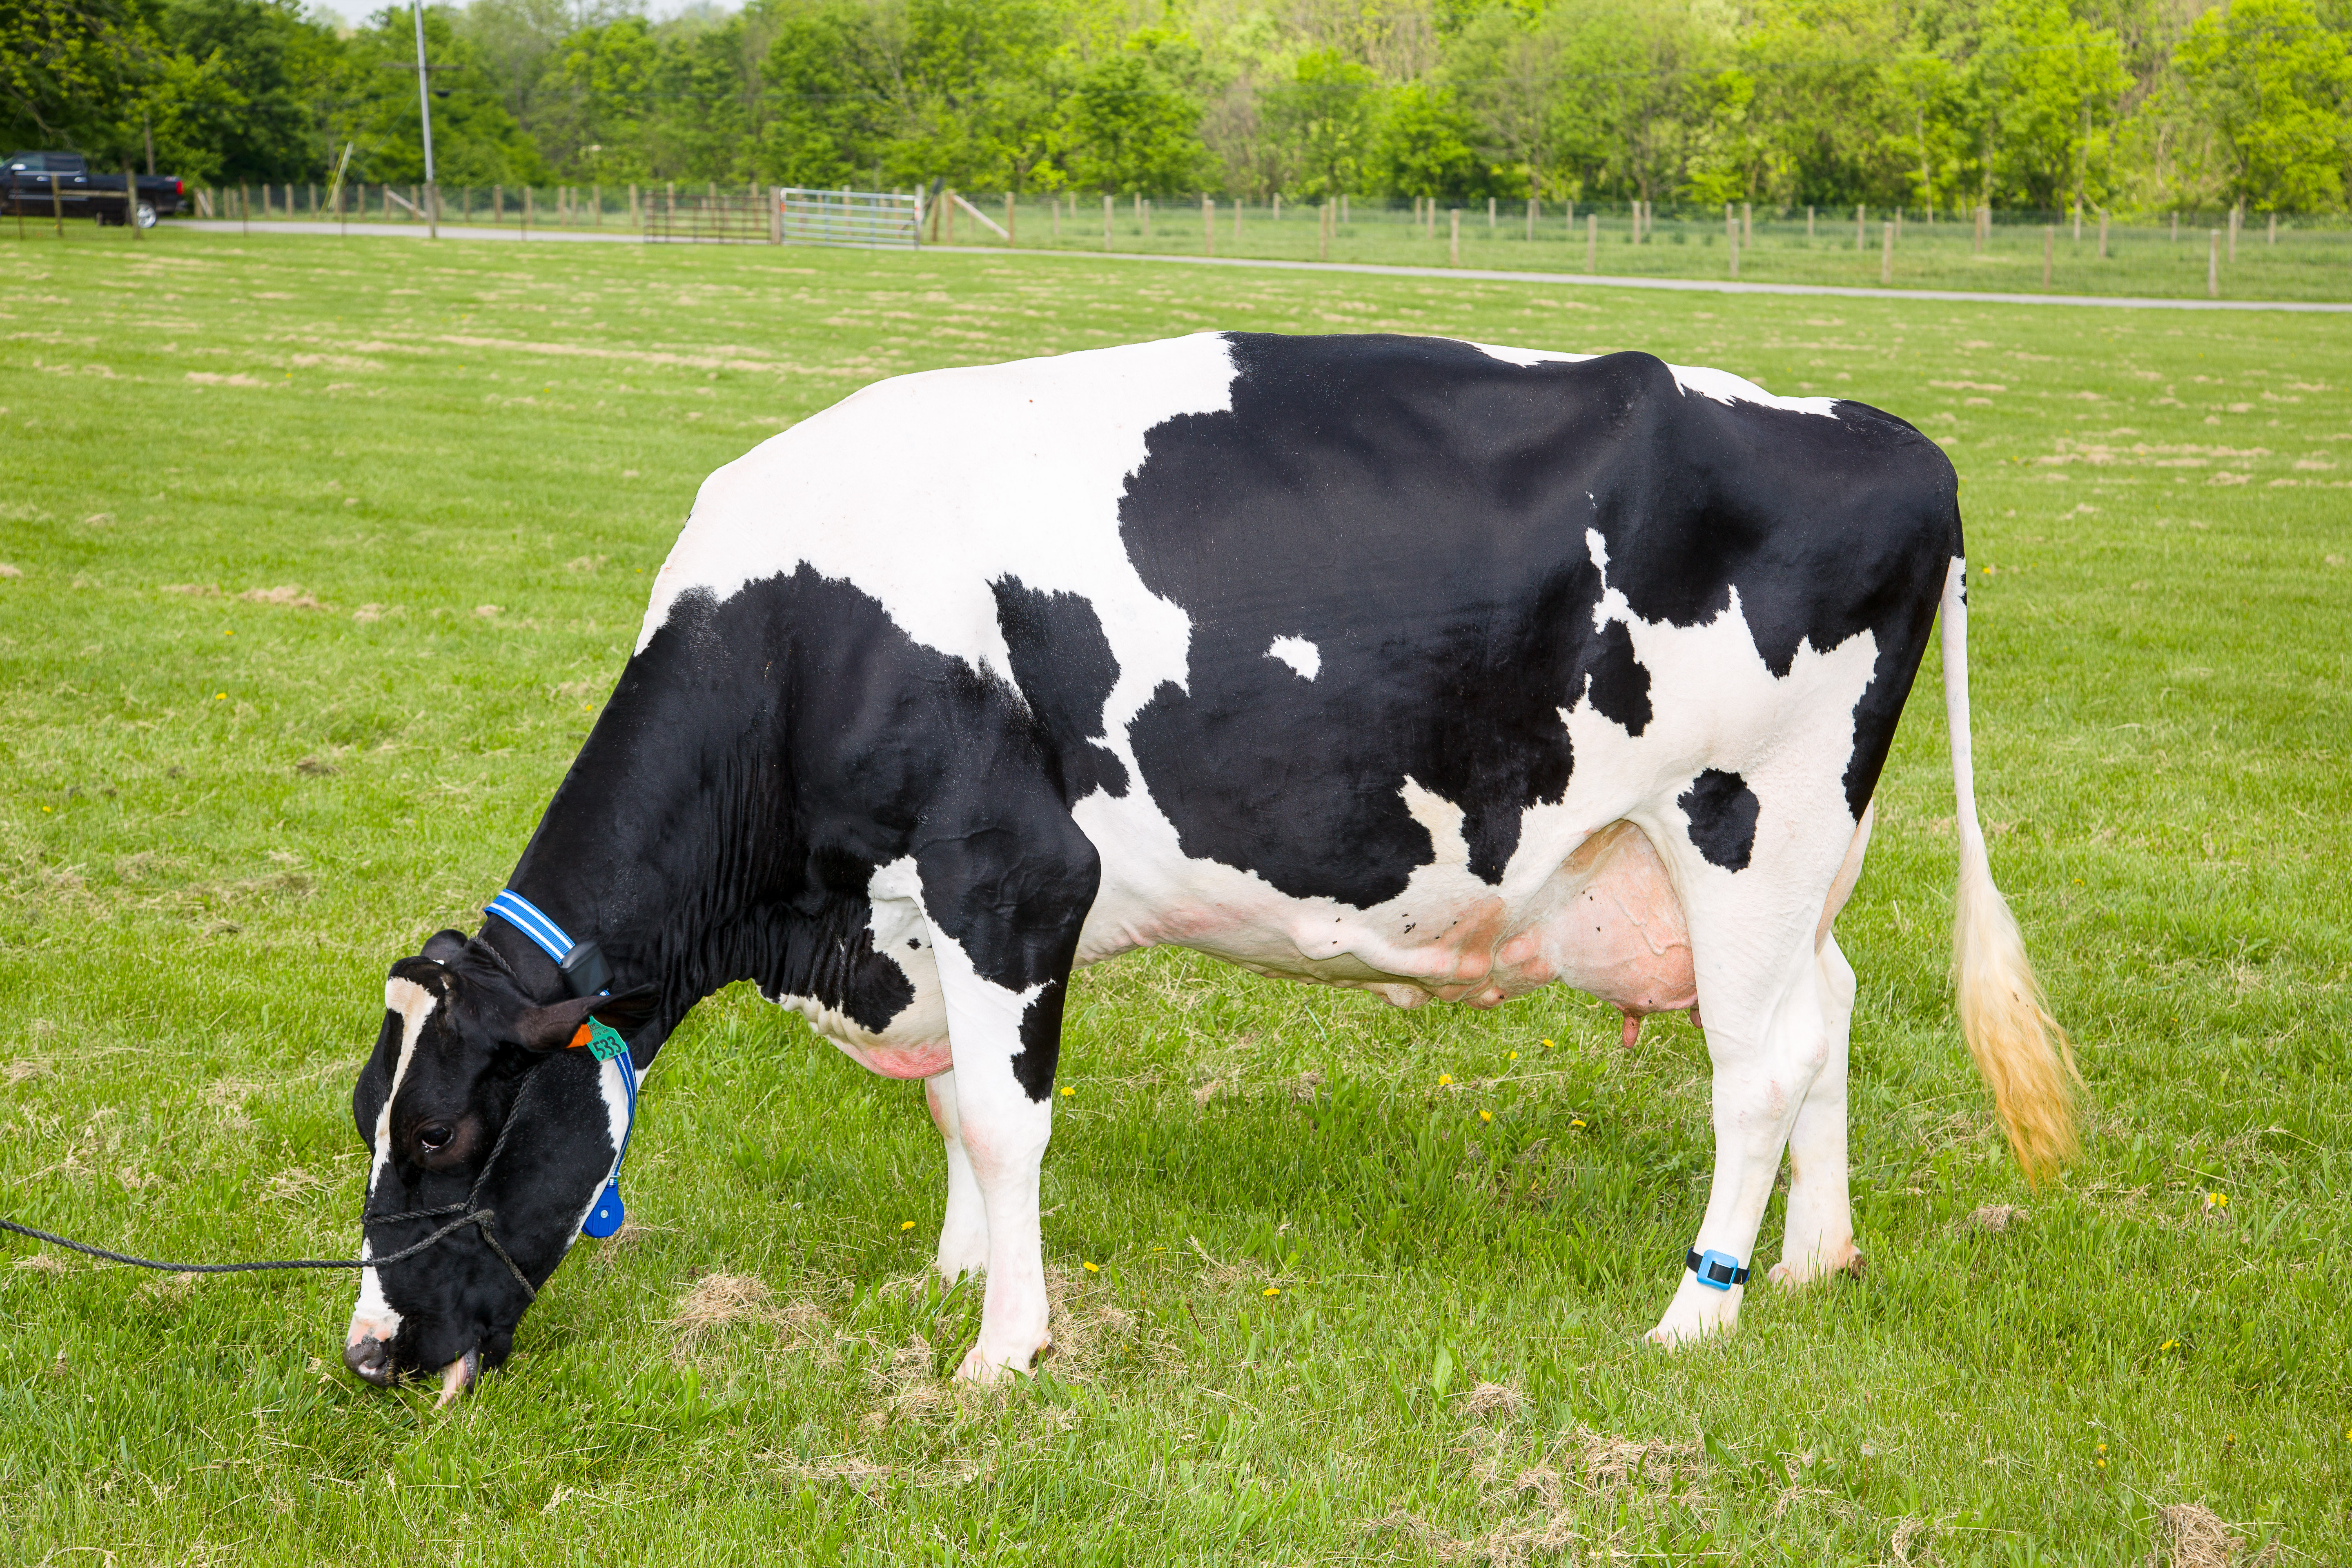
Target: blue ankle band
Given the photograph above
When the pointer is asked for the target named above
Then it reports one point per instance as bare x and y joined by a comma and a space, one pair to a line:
1716, 1271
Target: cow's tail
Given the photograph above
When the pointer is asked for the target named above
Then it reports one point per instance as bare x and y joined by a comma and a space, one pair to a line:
2024, 1056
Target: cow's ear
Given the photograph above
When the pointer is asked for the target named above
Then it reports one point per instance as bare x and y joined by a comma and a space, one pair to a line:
443, 945
552, 1027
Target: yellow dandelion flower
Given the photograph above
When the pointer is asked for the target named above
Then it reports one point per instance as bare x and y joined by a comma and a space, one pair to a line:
1443, 1079
1575, 1124
2103, 1448
906, 1224
1092, 1268
1486, 1116
1274, 1290
2167, 1344
1515, 1056
2101, 1463
2218, 1200
1546, 1044
220, 696
1067, 1091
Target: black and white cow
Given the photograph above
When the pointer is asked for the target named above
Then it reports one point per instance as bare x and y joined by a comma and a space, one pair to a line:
1438, 669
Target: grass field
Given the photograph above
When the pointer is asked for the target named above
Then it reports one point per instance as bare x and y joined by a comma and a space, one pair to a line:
324, 555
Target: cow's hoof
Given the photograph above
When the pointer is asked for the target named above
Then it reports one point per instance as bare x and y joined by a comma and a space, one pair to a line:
1689, 1320
1840, 1258
983, 1366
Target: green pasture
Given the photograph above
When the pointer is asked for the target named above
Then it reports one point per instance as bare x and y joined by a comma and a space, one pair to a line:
319, 556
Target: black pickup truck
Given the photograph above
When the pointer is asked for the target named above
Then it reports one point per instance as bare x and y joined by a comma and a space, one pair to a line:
61, 184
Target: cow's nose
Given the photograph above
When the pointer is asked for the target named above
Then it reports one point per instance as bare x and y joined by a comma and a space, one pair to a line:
370, 1360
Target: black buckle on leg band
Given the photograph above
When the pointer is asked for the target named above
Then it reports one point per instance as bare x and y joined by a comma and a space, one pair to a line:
1717, 1270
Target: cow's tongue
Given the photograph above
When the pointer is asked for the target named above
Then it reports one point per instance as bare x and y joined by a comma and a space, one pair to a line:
456, 1375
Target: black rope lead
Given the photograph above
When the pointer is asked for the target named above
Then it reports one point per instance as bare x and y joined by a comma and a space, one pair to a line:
480, 1216
466, 1214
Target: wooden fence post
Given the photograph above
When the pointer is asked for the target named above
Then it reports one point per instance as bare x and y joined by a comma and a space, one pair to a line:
2102, 233
1886, 253
1323, 231
1208, 226
2213, 264
1808, 222
1009, 230
2049, 252
1453, 237
1592, 243
1106, 200
1858, 214
1746, 225
1490, 214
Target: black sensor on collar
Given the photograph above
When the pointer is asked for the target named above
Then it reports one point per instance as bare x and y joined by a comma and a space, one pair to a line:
585, 970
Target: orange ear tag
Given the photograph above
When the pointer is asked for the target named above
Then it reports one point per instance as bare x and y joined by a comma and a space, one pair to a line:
582, 1038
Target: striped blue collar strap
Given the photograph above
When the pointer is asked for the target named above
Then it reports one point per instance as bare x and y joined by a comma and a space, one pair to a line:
586, 973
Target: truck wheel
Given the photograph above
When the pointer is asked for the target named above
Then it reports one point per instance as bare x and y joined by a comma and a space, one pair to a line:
146, 214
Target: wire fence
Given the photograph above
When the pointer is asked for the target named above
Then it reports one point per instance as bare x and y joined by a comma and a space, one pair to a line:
2178, 255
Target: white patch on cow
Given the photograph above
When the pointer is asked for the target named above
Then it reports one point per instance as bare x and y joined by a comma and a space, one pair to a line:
1299, 654
915, 1043
1530, 357
373, 1317
1719, 384
1726, 388
1058, 439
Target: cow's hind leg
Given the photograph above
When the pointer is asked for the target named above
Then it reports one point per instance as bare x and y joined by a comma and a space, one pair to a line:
1819, 1239
1006, 893
964, 1236
1753, 908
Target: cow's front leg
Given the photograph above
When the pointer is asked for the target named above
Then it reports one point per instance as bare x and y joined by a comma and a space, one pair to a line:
1005, 901
1819, 1238
964, 1236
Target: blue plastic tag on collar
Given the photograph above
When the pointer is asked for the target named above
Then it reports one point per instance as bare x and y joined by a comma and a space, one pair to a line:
607, 1218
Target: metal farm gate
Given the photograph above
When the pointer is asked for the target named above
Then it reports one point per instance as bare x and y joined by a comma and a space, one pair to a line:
785, 214
867, 218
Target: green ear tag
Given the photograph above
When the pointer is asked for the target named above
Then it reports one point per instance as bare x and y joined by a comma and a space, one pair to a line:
605, 1041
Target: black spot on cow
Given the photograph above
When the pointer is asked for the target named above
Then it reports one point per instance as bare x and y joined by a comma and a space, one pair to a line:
1722, 811
1617, 682
1041, 1042
1063, 664
1419, 510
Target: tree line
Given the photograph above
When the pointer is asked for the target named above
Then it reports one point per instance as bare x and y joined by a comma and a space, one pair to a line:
2121, 104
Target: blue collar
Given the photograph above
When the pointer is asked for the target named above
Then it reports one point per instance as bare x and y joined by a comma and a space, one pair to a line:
526, 917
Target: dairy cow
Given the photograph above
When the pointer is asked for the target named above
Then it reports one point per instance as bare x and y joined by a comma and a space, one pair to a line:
1430, 667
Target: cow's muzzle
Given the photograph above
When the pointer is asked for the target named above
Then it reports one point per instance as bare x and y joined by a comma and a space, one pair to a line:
370, 1360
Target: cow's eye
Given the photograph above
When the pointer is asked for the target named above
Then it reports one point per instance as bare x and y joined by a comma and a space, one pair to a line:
436, 1136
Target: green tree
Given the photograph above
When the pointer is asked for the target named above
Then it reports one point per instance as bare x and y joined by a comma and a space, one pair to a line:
1422, 147
2273, 83
1323, 116
1129, 127
476, 141
2049, 83
608, 74
240, 96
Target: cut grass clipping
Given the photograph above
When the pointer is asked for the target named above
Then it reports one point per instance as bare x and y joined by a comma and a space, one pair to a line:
316, 559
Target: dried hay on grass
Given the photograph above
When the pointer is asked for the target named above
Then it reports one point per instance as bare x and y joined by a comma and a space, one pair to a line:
2188, 1535
1488, 1399
1994, 1218
290, 596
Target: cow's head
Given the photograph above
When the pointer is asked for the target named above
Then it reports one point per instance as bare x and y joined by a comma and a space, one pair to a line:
467, 1066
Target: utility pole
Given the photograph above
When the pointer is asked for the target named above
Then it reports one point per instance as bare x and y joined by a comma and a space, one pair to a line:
424, 113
